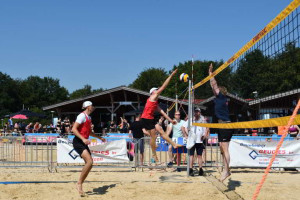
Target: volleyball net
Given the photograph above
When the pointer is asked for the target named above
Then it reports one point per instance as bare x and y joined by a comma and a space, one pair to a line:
262, 78
263, 81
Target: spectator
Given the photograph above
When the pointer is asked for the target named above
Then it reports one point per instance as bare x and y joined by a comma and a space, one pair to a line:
137, 130
10, 124
16, 126
112, 126
36, 128
124, 126
200, 133
28, 128
177, 133
67, 125
294, 130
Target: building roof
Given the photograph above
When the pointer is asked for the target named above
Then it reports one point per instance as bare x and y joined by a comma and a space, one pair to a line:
276, 96
105, 93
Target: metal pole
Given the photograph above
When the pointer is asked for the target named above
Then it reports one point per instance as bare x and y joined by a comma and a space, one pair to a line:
176, 108
189, 124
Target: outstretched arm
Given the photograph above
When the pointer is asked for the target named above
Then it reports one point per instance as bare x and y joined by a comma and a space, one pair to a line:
213, 82
165, 84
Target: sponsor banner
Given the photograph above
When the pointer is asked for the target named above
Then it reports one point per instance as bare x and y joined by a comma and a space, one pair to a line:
40, 138
110, 152
258, 153
109, 137
162, 145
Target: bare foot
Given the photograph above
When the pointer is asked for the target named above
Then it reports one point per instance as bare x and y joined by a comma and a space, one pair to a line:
224, 176
155, 158
177, 145
79, 189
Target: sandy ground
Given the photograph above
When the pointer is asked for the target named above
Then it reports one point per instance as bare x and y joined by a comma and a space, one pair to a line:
116, 183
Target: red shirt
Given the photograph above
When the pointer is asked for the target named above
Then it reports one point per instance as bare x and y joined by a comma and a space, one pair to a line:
149, 109
85, 128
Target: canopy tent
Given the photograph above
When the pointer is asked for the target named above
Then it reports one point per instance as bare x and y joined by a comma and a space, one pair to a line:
27, 113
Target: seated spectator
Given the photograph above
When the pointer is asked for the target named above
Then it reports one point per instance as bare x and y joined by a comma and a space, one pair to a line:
16, 126
36, 127
294, 130
28, 128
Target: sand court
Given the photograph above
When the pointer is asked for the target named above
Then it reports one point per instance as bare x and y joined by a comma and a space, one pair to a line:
116, 183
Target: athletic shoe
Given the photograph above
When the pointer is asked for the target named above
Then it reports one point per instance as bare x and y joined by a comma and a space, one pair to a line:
178, 170
170, 164
191, 173
201, 172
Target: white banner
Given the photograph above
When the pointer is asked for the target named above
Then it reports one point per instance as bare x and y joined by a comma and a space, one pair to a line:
258, 153
110, 152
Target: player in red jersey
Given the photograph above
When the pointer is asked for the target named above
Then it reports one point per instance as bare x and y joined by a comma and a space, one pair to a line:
148, 117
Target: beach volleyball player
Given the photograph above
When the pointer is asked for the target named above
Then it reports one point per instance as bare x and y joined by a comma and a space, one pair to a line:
82, 130
222, 114
148, 117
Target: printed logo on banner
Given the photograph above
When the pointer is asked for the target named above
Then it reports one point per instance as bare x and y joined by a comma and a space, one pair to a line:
253, 154
73, 154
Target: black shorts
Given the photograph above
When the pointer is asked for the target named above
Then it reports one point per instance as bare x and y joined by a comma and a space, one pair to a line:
205, 141
225, 135
79, 146
148, 124
198, 147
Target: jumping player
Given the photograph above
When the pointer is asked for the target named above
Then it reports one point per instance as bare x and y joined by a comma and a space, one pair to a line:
222, 113
82, 130
148, 117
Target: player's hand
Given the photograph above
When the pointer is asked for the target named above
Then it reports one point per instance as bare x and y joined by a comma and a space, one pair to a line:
210, 69
174, 122
86, 141
174, 72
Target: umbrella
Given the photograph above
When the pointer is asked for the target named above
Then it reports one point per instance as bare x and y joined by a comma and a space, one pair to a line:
19, 116
28, 113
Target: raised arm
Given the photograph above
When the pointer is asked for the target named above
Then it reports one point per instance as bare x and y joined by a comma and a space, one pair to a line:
165, 84
213, 82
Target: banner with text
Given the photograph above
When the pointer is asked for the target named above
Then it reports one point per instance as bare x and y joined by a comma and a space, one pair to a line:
110, 152
257, 153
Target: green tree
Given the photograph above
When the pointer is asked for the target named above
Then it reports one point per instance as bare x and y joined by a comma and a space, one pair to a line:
39, 92
151, 77
10, 99
85, 91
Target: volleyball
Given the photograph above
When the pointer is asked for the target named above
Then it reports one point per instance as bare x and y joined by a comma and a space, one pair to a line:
184, 77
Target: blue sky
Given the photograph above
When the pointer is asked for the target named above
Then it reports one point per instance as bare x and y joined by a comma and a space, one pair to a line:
108, 43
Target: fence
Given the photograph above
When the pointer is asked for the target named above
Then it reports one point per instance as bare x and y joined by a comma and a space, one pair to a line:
37, 151
26, 152
211, 155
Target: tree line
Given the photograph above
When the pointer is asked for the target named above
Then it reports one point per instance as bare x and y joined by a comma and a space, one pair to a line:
255, 72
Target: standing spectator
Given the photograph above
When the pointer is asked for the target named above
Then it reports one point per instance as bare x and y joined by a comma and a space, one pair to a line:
82, 130
112, 126
222, 114
137, 130
67, 125
10, 124
124, 126
177, 133
200, 133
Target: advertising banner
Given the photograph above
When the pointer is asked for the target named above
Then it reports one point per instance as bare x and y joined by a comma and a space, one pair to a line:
110, 152
257, 153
